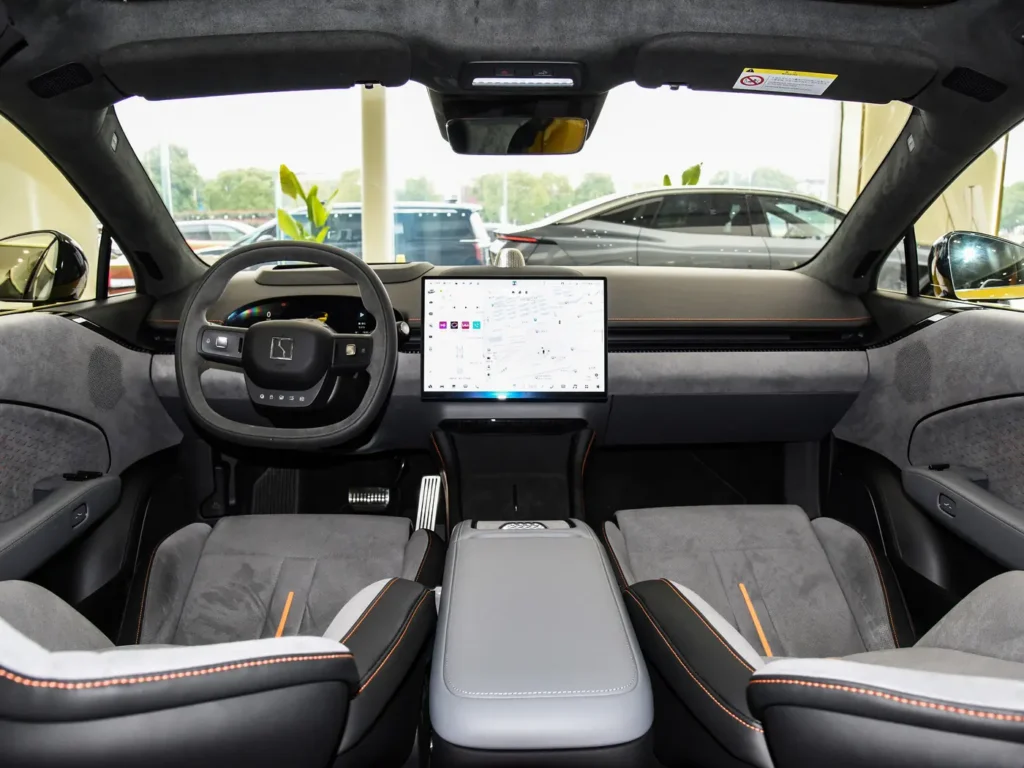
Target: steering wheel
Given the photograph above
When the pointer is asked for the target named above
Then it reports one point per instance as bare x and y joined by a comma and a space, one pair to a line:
289, 365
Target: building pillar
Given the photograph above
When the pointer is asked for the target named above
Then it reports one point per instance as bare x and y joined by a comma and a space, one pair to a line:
378, 215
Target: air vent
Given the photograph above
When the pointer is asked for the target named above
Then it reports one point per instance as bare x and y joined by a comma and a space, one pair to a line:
974, 84
60, 80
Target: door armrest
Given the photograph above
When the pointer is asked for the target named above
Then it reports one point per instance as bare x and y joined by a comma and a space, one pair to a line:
58, 517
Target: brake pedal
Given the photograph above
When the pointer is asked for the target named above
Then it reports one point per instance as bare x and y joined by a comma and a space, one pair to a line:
426, 509
369, 499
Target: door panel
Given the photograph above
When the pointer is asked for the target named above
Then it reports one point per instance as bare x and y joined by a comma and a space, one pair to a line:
51, 362
960, 359
988, 436
35, 444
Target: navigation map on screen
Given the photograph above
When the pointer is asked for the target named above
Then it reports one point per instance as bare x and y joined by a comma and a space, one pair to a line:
505, 338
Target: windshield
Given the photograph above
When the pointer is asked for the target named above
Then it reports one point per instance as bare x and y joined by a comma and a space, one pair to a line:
667, 177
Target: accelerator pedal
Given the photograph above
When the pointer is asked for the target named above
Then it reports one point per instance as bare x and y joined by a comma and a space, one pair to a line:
426, 509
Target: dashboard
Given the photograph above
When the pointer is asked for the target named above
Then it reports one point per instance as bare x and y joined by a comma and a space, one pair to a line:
693, 355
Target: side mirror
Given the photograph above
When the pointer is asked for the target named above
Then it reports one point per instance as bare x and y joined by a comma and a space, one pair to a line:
41, 267
976, 267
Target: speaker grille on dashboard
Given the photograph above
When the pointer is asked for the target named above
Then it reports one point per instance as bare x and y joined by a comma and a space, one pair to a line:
106, 380
974, 84
60, 80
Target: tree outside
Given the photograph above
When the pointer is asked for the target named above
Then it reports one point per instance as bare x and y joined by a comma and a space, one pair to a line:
418, 189
593, 186
1012, 215
760, 178
185, 179
242, 189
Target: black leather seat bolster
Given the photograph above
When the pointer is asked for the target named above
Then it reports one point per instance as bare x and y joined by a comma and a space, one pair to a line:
703, 669
769, 693
386, 640
431, 566
48, 700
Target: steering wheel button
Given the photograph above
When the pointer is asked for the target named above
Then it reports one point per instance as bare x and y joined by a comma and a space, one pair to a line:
350, 350
221, 342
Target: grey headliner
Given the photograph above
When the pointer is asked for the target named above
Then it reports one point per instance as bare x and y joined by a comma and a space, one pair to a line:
802, 34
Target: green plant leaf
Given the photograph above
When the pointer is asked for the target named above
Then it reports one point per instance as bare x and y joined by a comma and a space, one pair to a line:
288, 225
317, 212
290, 185
666, 181
327, 202
321, 235
691, 175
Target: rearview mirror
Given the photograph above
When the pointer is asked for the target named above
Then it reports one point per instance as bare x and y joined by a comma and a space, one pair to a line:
517, 135
976, 267
41, 267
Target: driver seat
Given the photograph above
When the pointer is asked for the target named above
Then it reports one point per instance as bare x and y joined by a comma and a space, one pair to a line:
263, 640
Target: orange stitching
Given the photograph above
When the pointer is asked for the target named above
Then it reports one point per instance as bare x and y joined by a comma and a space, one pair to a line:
897, 699
885, 592
367, 611
694, 677
590, 444
425, 553
397, 642
16, 678
705, 623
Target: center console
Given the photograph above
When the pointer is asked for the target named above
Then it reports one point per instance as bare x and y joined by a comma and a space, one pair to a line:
535, 661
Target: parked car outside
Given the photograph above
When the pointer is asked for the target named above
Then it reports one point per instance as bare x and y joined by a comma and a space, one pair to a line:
213, 233
438, 233
688, 226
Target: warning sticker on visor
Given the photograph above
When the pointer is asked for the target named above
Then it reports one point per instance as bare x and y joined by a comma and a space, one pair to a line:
784, 81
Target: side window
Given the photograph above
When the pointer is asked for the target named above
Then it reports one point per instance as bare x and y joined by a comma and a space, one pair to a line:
702, 213
633, 215
38, 199
969, 240
799, 219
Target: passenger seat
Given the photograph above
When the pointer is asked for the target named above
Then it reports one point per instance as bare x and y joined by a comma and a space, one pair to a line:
716, 591
718, 594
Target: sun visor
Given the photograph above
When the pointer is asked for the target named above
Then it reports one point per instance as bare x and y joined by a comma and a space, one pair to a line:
794, 65
226, 64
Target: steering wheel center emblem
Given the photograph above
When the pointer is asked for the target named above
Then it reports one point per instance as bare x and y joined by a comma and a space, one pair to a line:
281, 348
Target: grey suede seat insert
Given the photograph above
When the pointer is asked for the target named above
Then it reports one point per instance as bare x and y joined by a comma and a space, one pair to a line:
814, 585
232, 582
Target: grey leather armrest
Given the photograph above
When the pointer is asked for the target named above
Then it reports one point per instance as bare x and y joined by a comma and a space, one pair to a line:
534, 649
57, 519
991, 524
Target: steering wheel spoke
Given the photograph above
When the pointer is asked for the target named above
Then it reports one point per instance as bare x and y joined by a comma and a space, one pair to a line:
352, 352
220, 344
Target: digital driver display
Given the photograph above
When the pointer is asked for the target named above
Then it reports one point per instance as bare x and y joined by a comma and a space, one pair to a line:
500, 338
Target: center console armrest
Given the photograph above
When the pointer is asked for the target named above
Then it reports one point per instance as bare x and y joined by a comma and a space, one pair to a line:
534, 649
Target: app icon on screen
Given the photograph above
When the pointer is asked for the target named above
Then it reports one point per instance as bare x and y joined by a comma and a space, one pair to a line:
443, 325
454, 325
476, 325
465, 324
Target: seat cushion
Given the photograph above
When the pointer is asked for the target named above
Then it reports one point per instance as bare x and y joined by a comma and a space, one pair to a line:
251, 576
815, 588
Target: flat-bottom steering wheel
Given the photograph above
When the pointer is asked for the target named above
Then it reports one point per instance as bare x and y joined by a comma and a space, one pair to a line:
287, 364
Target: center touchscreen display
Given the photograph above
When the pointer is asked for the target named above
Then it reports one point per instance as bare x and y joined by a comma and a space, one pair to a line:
503, 338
